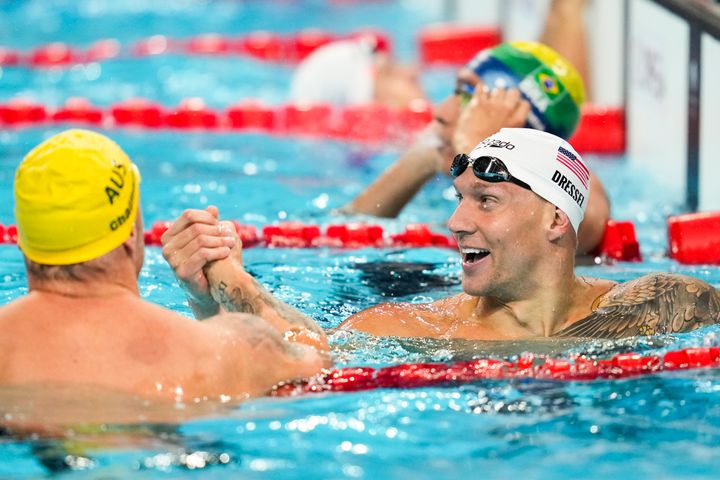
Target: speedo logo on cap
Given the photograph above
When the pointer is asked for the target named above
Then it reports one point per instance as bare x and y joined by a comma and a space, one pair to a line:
495, 143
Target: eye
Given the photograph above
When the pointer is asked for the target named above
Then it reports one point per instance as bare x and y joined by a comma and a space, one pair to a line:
487, 201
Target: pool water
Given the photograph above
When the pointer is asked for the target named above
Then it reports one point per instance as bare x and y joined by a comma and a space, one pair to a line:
660, 426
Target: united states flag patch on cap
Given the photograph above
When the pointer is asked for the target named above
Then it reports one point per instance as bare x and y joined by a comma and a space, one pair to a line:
567, 158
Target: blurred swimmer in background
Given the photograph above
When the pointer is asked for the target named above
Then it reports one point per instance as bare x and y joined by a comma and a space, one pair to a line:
355, 72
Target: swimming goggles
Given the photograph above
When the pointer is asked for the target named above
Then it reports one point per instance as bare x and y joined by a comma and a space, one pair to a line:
465, 92
490, 169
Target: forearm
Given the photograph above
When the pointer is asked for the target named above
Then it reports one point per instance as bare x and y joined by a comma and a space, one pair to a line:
564, 31
397, 185
235, 290
203, 310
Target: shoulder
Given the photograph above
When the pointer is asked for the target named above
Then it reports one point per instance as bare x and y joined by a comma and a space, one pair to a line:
406, 319
652, 304
660, 288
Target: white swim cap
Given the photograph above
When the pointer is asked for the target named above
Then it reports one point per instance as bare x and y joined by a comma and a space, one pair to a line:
549, 164
341, 73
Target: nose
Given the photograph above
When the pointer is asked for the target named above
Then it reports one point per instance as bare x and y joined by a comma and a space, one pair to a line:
461, 222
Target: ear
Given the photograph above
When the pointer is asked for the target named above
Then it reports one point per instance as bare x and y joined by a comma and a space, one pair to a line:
559, 226
136, 239
130, 244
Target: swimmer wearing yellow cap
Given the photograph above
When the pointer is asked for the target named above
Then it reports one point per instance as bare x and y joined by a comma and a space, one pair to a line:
83, 321
76, 198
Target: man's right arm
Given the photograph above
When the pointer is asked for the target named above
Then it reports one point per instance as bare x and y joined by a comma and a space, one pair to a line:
397, 320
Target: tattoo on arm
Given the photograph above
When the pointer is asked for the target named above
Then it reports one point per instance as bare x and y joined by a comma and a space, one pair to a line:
233, 299
653, 304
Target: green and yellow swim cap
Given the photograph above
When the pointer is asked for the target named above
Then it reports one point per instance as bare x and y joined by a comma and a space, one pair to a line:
76, 198
546, 79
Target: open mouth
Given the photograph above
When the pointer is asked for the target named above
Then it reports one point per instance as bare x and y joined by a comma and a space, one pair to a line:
472, 255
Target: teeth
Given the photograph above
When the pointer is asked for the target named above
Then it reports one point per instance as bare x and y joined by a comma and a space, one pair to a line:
466, 250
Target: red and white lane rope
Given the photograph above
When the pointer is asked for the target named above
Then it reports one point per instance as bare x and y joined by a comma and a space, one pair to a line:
601, 129
418, 375
447, 44
262, 45
619, 241
694, 238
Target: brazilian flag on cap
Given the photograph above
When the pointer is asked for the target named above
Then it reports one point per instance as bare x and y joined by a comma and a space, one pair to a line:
546, 79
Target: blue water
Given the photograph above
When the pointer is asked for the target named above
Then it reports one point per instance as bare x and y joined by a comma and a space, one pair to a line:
664, 426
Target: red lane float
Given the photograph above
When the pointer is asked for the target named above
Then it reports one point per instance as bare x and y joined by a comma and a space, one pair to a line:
418, 375
455, 44
369, 123
251, 114
21, 112
312, 119
209, 44
601, 130
192, 113
695, 238
619, 242
263, 46
138, 112
54, 55
9, 57
8, 234
105, 49
78, 110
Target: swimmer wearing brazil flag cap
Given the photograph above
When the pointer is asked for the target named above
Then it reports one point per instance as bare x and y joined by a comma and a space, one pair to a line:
512, 85
83, 321
522, 195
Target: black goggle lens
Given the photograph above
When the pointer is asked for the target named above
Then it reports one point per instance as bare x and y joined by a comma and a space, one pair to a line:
490, 169
465, 92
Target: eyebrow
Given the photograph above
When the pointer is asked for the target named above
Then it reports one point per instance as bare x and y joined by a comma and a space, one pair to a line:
481, 186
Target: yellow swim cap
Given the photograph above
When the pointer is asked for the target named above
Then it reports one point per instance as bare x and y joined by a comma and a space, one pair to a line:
76, 198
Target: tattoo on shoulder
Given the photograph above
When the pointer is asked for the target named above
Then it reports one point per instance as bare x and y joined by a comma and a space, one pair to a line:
653, 304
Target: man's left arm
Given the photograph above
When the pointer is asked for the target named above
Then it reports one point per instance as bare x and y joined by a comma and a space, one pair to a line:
653, 304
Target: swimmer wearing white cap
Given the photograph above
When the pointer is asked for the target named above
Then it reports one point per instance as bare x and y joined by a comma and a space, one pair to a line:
354, 72
521, 195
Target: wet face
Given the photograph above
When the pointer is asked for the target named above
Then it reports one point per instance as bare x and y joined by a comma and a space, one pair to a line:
396, 85
500, 229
